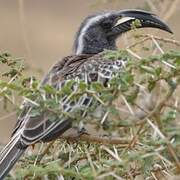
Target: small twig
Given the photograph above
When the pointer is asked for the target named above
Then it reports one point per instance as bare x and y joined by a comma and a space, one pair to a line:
173, 107
107, 174
152, 113
113, 154
138, 42
165, 40
87, 138
97, 139
133, 54
128, 105
149, 37
157, 45
75, 160
90, 161
37, 157
169, 145
46, 150
135, 138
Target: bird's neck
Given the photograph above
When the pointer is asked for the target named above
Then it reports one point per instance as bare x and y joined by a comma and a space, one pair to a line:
94, 44
95, 49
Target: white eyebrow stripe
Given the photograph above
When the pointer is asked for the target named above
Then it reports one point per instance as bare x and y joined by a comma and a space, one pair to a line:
85, 28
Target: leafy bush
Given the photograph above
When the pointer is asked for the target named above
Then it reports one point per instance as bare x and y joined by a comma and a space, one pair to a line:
140, 120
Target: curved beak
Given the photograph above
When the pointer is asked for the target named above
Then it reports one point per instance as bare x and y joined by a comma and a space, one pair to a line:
126, 18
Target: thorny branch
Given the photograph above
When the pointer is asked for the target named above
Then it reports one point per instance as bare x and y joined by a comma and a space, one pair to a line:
147, 37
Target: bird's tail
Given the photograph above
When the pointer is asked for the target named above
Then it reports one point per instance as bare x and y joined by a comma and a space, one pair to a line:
8, 157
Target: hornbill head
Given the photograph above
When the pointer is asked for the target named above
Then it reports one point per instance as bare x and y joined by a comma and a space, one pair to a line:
100, 31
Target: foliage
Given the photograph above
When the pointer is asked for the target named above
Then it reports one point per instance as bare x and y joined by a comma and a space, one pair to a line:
150, 129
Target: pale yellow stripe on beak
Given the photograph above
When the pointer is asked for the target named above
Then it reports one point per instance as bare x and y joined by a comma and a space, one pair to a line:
122, 20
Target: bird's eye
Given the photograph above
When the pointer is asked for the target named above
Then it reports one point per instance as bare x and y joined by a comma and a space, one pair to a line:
106, 24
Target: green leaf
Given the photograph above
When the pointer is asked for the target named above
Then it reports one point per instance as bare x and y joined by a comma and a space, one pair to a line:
49, 89
68, 87
97, 86
148, 69
82, 86
151, 85
113, 110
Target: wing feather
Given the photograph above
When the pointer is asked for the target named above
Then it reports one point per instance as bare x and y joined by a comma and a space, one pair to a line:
87, 68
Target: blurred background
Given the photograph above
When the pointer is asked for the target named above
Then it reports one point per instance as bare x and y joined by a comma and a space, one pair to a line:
42, 31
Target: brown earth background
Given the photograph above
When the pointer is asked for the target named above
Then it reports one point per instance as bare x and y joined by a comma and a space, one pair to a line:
42, 32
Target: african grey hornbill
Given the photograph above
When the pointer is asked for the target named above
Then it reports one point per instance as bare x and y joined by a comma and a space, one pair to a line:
96, 33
